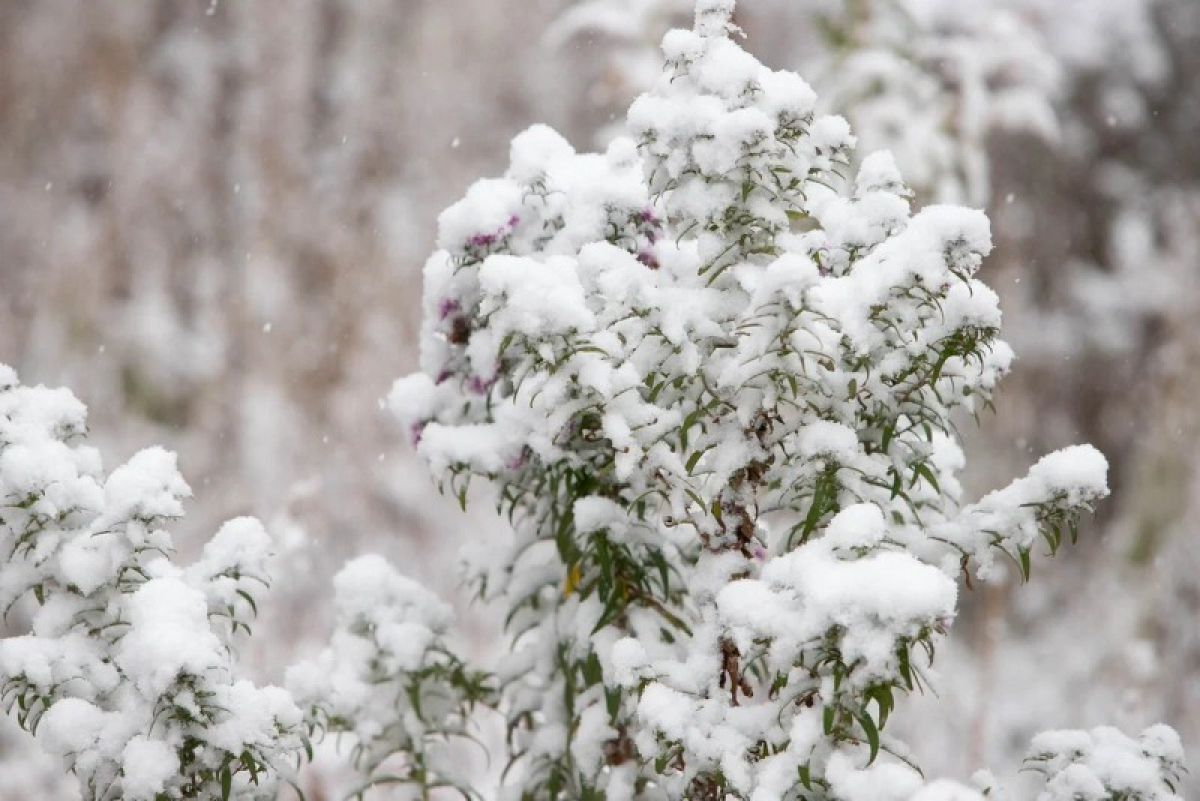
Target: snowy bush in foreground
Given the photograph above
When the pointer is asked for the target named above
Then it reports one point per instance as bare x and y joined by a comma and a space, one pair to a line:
128, 670
715, 383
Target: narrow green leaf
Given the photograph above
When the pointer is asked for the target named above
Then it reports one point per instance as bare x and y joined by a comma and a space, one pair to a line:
872, 733
926, 472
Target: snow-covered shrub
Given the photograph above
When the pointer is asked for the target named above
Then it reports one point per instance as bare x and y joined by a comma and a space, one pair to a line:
128, 670
716, 383
389, 679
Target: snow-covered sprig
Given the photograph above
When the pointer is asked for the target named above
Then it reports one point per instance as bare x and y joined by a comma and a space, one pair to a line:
389, 680
127, 672
715, 381
1103, 764
1043, 506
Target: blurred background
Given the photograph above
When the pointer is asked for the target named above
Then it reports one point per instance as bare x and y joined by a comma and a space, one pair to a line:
213, 217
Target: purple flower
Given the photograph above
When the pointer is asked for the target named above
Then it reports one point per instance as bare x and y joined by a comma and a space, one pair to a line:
447, 307
487, 240
647, 216
519, 461
480, 385
647, 258
414, 432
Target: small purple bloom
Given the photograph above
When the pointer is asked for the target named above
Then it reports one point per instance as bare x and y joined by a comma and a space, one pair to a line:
519, 461
647, 216
415, 431
487, 240
647, 258
447, 307
480, 385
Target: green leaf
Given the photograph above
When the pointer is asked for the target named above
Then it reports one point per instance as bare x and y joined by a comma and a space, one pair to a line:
882, 695
688, 422
663, 571
612, 702
604, 557
592, 673
611, 609
250, 600
905, 666
815, 511
872, 733
694, 458
806, 776
924, 471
